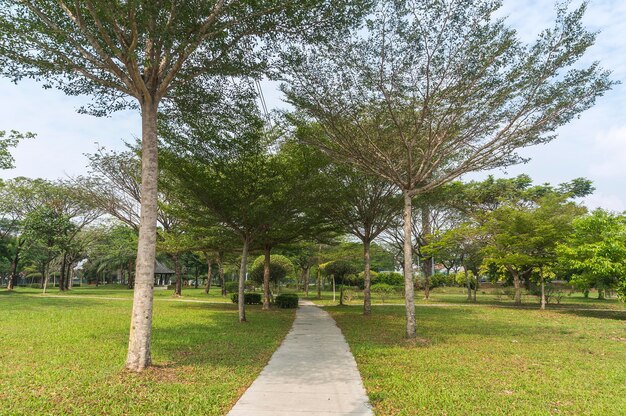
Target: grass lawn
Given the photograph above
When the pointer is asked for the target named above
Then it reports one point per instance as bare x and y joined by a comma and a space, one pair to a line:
63, 355
489, 360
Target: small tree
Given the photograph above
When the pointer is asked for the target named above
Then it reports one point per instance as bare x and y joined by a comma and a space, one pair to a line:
595, 253
340, 270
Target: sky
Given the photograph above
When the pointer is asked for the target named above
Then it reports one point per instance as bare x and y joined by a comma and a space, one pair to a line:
593, 146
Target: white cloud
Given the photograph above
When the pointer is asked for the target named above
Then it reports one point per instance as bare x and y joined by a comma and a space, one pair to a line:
609, 202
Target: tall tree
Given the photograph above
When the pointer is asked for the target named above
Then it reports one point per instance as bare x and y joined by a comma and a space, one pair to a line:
430, 90
134, 54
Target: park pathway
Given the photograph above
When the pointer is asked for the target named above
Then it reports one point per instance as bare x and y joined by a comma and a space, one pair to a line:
312, 373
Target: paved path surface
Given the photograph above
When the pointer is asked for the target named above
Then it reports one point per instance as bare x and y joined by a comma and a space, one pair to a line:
313, 373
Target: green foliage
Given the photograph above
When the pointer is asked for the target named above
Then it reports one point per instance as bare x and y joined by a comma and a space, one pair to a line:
248, 298
383, 290
595, 253
341, 270
388, 278
286, 300
8, 142
280, 268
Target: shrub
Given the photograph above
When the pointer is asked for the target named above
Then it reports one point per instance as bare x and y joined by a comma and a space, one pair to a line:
280, 268
383, 290
231, 287
388, 278
248, 298
287, 300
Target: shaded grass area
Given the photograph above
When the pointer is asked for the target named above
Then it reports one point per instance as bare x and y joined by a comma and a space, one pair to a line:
122, 291
458, 296
490, 361
66, 356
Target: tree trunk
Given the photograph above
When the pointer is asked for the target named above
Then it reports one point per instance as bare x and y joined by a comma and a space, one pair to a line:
46, 277
367, 278
427, 263
475, 286
13, 275
68, 275
306, 281
341, 294
409, 294
242, 280
334, 289
543, 293
207, 288
469, 286
220, 270
319, 282
518, 288
62, 273
131, 280
266, 277
178, 288
139, 357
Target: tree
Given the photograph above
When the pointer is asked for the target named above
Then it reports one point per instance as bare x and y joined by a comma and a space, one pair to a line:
280, 267
340, 270
8, 142
595, 252
421, 104
136, 54
522, 239
364, 207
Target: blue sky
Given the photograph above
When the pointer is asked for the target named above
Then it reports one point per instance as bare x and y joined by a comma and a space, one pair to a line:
593, 146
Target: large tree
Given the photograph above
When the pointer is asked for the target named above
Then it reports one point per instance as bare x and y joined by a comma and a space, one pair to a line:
427, 91
135, 53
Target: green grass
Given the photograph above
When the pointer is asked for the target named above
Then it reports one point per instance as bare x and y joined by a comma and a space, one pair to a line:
490, 360
62, 355
458, 296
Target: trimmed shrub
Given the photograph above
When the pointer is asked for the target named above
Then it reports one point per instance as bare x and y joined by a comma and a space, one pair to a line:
231, 287
383, 290
388, 278
287, 300
248, 298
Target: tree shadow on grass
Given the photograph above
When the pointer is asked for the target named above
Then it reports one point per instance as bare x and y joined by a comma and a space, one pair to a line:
608, 314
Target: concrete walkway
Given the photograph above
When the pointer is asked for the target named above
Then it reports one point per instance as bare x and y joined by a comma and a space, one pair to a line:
312, 373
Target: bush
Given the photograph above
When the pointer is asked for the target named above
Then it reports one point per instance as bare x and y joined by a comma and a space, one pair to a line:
389, 278
287, 300
383, 290
231, 287
248, 298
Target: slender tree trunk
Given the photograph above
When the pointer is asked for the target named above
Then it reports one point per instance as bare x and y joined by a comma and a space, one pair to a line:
319, 282
178, 287
141, 319
207, 288
242, 280
341, 294
266, 277
307, 272
518, 287
334, 288
543, 292
220, 270
131, 280
427, 263
46, 277
409, 294
475, 286
13, 275
469, 286
62, 273
367, 278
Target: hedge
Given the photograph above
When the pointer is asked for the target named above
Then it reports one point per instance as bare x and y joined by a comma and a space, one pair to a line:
248, 298
287, 300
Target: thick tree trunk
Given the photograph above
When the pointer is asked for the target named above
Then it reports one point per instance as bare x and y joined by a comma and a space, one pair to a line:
469, 286
427, 263
220, 270
409, 294
242, 281
367, 278
266, 277
141, 319
178, 287
207, 288
518, 288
